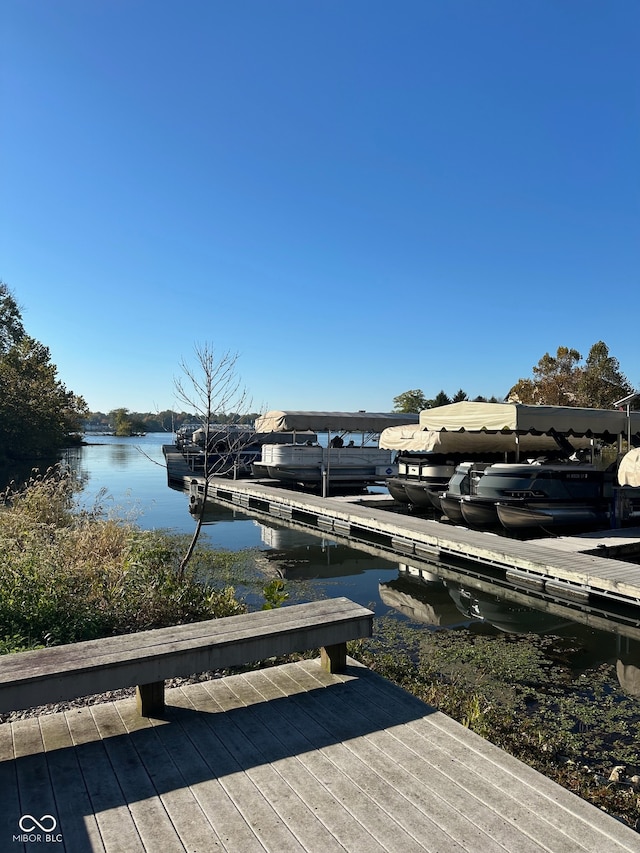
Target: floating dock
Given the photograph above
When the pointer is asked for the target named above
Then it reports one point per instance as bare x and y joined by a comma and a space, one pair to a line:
540, 565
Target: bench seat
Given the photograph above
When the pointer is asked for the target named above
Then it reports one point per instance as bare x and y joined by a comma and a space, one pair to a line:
147, 658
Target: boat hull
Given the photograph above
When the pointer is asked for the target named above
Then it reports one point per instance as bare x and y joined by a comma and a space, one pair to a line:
478, 512
450, 506
420, 493
422, 481
397, 490
527, 516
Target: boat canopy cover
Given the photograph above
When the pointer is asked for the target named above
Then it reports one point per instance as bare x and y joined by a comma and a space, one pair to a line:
331, 421
416, 439
629, 468
517, 417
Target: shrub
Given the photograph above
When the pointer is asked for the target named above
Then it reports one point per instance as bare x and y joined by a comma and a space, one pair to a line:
68, 577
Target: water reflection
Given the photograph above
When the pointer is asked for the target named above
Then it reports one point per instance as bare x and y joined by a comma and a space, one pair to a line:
429, 605
299, 557
628, 667
507, 617
428, 600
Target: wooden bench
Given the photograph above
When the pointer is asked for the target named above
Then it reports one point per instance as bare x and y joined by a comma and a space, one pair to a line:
147, 658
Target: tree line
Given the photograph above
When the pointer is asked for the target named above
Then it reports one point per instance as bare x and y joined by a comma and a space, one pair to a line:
560, 380
38, 414
124, 422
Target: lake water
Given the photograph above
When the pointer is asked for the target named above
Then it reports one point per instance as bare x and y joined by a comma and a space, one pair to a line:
128, 478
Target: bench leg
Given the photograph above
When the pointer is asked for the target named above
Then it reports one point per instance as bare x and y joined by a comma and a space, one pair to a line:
150, 699
334, 658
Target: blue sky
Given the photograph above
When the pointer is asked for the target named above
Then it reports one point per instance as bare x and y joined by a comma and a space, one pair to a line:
357, 197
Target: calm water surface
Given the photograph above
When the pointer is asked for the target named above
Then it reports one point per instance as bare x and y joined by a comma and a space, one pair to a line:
127, 477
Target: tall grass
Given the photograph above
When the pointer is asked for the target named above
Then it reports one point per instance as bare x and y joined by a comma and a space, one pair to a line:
67, 576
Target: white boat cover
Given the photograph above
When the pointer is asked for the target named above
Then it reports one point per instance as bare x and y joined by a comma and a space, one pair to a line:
516, 417
416, 439
276, 421
629, 468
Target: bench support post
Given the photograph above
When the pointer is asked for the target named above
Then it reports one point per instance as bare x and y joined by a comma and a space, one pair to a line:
334, 658
150, 699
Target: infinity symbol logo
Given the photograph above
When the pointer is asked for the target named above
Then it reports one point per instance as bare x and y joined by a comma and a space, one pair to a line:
28, 823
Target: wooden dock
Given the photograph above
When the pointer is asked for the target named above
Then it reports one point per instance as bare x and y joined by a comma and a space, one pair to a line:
283, 759
564, 572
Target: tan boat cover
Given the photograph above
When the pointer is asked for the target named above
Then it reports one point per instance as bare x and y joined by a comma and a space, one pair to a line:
415, 439
516, 417
331, 421
629, 468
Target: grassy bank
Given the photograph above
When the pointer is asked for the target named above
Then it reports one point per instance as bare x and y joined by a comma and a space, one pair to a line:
68, 577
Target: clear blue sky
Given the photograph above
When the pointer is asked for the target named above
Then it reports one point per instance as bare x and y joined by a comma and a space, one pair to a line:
358, 197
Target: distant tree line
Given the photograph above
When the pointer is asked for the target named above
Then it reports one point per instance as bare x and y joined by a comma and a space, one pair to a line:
560, 380
415, 400
124, 422
38, 414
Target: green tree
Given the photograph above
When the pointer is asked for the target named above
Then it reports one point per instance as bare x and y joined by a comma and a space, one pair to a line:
37, 413
561, 380
554, 383
601, 381
440, 399
460, 397
410, 401
11, 328
121, 421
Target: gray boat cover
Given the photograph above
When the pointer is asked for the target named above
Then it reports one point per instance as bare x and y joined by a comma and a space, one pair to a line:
416, 439
375, 422
629, 468
516, 417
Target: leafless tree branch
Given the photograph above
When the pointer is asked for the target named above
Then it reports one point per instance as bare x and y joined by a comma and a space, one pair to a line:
210, 387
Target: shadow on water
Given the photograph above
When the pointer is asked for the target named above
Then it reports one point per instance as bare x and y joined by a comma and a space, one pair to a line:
19, 473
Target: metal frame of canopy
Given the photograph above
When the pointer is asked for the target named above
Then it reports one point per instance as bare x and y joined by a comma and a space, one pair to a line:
627, 401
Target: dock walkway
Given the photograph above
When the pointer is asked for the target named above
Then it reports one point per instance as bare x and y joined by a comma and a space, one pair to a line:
566, 570
282, 759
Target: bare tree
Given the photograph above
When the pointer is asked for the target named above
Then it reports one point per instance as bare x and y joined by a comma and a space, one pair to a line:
210, 387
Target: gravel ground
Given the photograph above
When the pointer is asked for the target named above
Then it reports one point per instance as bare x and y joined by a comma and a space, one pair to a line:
98, 698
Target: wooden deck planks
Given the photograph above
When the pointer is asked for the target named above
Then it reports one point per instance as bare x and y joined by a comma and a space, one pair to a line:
288, 758
411, 823
73, 805
449, 816
501, 788
324, 793
222, 749
189, 754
